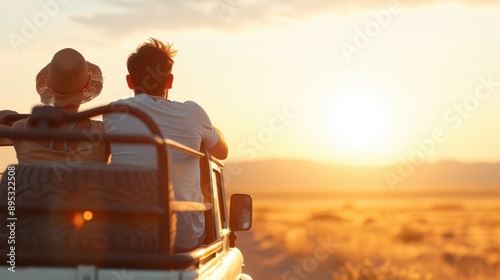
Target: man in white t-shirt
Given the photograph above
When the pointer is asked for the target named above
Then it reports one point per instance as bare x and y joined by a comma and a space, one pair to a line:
150, 76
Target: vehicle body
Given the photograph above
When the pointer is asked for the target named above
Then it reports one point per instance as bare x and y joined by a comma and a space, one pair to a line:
90, 221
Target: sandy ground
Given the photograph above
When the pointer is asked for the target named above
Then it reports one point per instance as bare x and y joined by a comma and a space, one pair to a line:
415, 239
261, 262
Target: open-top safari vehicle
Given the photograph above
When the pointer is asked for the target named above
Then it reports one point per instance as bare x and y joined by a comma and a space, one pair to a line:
89, 221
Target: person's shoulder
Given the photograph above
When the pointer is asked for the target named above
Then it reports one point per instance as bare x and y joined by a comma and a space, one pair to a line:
133, 101
186, 105
192, 104
197, 111
124, 100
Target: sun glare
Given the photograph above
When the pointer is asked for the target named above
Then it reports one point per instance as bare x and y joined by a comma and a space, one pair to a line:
358, 123
87, 215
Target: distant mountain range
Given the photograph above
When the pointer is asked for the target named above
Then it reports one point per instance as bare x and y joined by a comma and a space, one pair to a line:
305, 176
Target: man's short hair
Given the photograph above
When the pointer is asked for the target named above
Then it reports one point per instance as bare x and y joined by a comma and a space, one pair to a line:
150, 65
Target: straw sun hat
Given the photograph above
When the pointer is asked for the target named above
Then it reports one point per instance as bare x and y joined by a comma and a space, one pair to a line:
68, 80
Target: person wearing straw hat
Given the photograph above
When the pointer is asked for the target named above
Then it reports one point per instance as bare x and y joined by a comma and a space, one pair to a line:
66, 82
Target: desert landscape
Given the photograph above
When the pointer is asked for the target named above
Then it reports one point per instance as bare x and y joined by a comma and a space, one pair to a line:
374, 236
365, 130
370, 232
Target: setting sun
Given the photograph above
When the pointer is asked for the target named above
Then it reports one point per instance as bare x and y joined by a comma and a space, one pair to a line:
358, 124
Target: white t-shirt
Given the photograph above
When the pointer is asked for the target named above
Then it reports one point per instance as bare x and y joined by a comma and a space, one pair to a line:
186, 123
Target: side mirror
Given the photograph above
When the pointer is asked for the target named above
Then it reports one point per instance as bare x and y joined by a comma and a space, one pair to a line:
240, 217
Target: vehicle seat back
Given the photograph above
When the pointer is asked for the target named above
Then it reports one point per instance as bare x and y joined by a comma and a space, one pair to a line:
81, 209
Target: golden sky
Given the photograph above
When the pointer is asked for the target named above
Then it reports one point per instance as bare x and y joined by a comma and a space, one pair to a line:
351, 82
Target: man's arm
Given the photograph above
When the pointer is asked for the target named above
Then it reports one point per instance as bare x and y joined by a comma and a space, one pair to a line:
4, 113
219, 150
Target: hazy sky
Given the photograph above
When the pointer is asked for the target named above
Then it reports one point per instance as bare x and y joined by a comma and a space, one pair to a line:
357, 82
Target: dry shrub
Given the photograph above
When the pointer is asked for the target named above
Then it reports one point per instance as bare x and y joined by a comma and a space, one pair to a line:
325, 217
448, 235
449, 258
469, 267
369, 221
421, 221
410, 235
447, 207
348, 206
